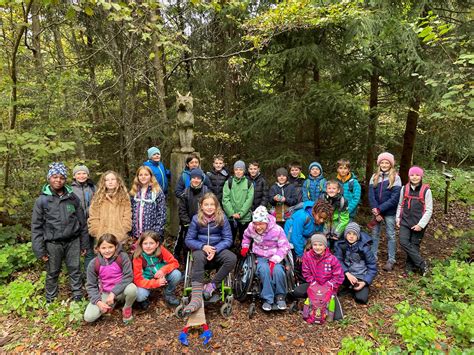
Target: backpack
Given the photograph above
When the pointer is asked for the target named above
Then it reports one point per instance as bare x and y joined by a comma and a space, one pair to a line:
315, 309
290, 211
118, 260
407, 197
249, 183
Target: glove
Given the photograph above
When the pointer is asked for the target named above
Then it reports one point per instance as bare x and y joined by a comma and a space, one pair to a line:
271, 264
244, 252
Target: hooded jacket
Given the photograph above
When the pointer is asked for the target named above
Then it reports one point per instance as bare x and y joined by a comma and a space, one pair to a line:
185, 180
351, 192
260, 191
57, 219
160, 172
300, 226
111, 277
322, 269
272, 244
84, 192
357, 258
383, 198
313, 186
238, 199
219, 237
148, 212
218, 179
110, 216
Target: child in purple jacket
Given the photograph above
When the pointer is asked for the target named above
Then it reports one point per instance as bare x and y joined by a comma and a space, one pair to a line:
270, 245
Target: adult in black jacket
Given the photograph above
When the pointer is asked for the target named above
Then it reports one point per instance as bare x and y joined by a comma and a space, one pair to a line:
260, 187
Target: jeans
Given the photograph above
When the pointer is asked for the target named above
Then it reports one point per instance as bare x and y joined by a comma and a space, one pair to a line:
274, 285
390, 233
173, 278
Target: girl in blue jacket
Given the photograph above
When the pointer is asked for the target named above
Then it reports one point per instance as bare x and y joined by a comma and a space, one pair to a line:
384, 192
209, 238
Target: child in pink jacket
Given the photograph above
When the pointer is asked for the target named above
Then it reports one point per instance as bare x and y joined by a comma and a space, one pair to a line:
270, 245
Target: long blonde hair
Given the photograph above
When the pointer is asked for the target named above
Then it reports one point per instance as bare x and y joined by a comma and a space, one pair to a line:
136, 185
120, 192
392, 175
218, 215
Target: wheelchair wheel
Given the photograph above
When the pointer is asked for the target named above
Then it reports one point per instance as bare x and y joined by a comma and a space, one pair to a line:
226, 310
243, 277
289, 273
252, 310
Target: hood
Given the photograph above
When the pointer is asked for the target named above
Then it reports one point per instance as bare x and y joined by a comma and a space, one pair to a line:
46, 190
271, 224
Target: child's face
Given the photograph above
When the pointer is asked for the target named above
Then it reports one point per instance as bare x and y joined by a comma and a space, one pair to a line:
107, 250
319, 248
57, 182
144, 177
282, 179
260, 227
332, 189
295, 171
111, 182
315, 172
218, 164
351, 237
343, 170
208, 206
320, 218
415, 179
193, 164
81, 176
253, 170
196, 181
156, 157
149, 246
385, 165
238, 172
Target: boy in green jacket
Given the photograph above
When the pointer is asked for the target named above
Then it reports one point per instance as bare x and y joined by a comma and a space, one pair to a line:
237, 199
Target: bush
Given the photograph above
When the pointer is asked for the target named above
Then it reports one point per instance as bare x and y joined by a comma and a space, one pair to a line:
15, 257
22, 296
10, 235
464, 250
64, 314
461, 321
358, 345
461, 188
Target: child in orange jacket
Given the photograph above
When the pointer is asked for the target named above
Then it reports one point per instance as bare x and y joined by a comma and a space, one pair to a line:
153, 267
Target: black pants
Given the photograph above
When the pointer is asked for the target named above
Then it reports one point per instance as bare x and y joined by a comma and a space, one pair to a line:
410, 242
225, 260
238, 228
179, 246
301, 291
361, 296
70, 252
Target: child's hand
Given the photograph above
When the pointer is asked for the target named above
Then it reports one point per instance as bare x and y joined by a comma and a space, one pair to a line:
282, 199
104, 307
159, 274
352, 279
379, 218
110, 298
359, 286
45, 258
276, 198
236, 216
416, 228
83, 252
210, 255
162, 281
375, 211
397, 224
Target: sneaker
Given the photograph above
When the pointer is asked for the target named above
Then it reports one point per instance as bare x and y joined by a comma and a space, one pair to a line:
143, 305
127, 316
267, 307
281, 303
171, 300
208, 290
77, 298
424, 270
388, 266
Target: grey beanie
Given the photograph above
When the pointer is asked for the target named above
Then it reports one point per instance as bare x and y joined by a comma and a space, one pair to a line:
320, 238
352, 227
239, 164
78, 168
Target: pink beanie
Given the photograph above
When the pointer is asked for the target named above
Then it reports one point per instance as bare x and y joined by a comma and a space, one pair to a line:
386, 156
416, 170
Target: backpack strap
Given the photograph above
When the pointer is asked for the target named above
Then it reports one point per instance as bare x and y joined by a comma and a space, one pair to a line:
421, 196
118, 260
229, 182
351, 185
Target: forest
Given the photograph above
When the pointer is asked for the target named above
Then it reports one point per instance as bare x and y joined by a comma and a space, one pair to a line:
95, 82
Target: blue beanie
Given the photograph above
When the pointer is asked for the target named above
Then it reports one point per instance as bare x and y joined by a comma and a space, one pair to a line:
57, 168
317, 165
196, 173
152, 151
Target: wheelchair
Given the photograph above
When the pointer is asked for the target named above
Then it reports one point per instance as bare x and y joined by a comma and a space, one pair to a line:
225, 295
246, 283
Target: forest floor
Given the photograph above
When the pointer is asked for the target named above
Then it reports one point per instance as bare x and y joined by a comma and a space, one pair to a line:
157, 329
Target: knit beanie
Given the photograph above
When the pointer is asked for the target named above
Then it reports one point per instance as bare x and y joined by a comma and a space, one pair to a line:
260, 214
79, 168
196, 173
57, 168
152, 151
416, 170
317, 165
281, 171
320, 238
354, 228
386, 156
239, 164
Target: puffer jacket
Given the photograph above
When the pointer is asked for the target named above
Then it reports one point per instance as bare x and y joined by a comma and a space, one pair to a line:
272, 244
189, 203
322, 269
357, 258
57, 218
160, 172
300, 226
219, 237
383, 198
218, 179
351, 192
148, 212
260, 191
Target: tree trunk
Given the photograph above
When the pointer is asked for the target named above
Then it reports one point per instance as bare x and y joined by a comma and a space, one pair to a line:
159, 71
317, 123
371, 132
36, 30
409, 137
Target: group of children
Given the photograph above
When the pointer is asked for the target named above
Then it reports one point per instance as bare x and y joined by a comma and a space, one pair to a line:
313, 218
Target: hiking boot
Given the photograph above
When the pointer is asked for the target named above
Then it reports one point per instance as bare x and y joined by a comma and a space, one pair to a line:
267, 307
77, 298
281, 303
171, 300
143, 305
208, 290
127, 316
388, 266
424, 270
